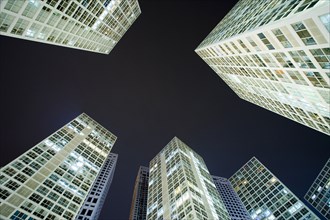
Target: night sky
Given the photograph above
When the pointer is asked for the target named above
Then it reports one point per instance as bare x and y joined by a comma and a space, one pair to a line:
150, 88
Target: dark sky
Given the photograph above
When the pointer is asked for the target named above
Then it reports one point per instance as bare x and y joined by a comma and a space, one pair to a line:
150, 88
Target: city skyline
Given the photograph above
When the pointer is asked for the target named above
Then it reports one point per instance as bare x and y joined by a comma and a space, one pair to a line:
150, 88
276, 55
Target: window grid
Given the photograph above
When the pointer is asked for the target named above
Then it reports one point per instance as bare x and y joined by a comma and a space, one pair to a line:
99, 25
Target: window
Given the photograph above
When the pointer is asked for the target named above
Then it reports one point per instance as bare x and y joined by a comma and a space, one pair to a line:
30, 9
21, 178
316, 79
326, 21
49, 183
77, 200
43, 190
63, 202
303, 33
41, 213
35, 165
283, 60
253, 44
73, 207
301, 59
28, 206
14, 6
18, 216
5, 21
47, 204
28, 171
43, 14
322, 56
35, 198
68, 215
281, 38
265, 41
53, 196
12, 185
4, 194
58, 210
59, 189
9, 171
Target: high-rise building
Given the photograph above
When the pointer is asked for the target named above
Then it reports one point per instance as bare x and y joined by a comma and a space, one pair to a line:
180, 186
233, 203
318, 194
94, 26
265, 196
140, 195
275, 54
53, 178
93, 203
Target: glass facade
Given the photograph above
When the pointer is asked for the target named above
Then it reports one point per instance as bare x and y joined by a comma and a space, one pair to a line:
276, 55
53, 178
139, 201
94, 26
318, 194
180, 186
265, 197
233, 203
93, 203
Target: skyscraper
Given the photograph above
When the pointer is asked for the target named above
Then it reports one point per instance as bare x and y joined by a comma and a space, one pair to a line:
265, 196
93, 203
95, 26
233, 203
139, 201
318, 194
53, 178
275, 54
180, 186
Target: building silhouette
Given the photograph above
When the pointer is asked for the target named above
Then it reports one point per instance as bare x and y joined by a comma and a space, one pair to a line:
140, 195
318, 194
265, 196
95, 26
275, 54
93, 203
180, 186
53, 178
232, 202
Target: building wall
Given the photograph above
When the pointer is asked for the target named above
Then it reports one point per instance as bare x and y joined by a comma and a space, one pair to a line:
275, 54
53, 178
180, 186
93, 203
87, 25
140, 195
232, 202
265, 196
318, 194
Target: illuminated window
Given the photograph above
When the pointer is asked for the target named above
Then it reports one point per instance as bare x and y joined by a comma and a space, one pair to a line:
326, 21
281, 38
265, 41
322, 56
5, 21
303, 33
301, 59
